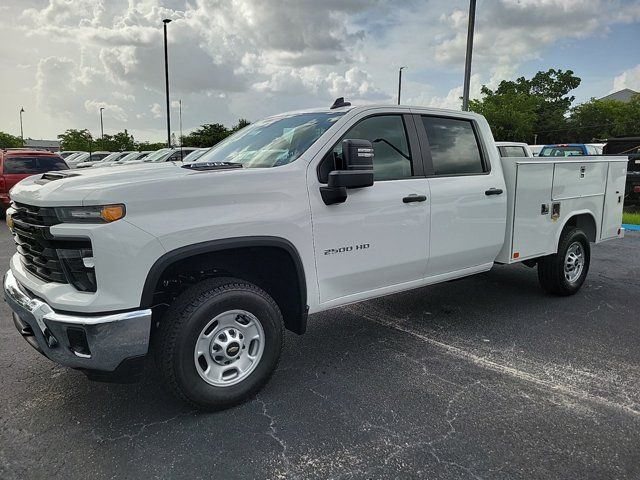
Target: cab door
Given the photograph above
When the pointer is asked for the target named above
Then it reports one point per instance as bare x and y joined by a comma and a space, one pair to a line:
468, 194
379, 237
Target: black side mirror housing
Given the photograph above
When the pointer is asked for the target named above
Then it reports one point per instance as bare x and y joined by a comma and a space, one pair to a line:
358, 163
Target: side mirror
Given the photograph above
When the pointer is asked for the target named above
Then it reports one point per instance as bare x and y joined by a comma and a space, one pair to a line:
357, 156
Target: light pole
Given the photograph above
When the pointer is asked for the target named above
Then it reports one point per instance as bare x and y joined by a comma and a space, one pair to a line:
467, 63
21, 131
400, 83
101, 129
166, 79
180, 111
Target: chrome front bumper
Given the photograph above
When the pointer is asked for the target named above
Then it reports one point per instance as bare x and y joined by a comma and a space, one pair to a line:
92, 342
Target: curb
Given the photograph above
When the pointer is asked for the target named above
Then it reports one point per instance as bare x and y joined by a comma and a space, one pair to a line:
628, 226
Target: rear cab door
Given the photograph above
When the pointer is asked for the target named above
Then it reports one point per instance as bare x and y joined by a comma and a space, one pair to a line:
468, 192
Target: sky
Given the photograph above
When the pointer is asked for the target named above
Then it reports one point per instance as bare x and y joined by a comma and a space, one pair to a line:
61, 60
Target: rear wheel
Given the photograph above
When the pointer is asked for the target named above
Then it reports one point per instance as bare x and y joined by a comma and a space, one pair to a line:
219, 343
564, 272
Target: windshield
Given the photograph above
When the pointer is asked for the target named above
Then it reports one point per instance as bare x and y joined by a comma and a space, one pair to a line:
111, 157
272, 142
568, 151
157, 154
130, 156
195, 155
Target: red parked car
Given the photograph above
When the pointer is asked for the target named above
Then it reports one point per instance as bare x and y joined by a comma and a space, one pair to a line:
18, 164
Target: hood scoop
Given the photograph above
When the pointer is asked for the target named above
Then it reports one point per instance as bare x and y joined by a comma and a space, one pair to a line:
52, 176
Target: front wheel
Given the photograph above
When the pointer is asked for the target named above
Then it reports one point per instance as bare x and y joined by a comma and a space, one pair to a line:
564, 272
219, 343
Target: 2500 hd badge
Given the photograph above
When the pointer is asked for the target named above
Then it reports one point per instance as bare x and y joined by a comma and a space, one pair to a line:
350, 248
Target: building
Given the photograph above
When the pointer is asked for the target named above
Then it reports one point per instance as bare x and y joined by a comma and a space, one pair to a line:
51, 145
625, 95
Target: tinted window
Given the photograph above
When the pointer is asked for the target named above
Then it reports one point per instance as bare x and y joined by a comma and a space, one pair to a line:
392, 159
512, 152
561, 151
454, 147
33, 164
48, 164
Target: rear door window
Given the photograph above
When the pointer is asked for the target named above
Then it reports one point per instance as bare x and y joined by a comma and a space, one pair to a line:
48, 164
454, 146
33, 164
20, 165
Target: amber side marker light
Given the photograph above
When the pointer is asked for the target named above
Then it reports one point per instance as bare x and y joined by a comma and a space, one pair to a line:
111, 213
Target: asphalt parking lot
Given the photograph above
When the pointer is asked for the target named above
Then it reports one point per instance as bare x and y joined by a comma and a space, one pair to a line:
486, 377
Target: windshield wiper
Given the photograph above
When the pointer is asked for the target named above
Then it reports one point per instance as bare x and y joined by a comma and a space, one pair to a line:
212, 165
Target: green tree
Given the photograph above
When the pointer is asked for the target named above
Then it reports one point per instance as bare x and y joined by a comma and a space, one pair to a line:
511, 115
206, 136
145, 146
243, 122
211, 133
9, 141
520, 109
73, 139
601, 119
119, 142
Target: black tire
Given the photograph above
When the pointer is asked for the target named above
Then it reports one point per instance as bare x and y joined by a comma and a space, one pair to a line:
186, 318
551, 272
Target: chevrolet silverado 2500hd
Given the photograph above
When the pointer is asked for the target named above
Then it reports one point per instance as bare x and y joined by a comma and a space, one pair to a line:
202, 265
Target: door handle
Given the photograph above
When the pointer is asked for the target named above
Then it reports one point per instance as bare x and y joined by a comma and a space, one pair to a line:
414, 198
493, 191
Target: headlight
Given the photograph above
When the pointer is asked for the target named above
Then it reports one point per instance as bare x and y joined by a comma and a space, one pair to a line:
79, 268
91, 214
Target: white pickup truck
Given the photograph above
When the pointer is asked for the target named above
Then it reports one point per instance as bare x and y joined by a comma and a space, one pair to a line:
204, 264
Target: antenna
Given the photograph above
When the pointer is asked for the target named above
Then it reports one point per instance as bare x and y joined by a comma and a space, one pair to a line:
340, 103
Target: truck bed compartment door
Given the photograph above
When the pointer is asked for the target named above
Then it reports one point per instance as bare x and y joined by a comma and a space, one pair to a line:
532, 224
579, 179
613, 199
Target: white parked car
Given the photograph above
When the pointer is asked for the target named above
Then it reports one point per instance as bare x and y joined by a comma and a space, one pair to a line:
129, 157
514, 149
86, 158
109, 159
68, 153
535, 149
292, 215
172, 155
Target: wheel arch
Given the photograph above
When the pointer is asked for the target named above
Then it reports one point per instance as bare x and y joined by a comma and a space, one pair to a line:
292, 299
585, 221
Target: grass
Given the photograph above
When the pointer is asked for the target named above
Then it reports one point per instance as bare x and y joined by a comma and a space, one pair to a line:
632, 218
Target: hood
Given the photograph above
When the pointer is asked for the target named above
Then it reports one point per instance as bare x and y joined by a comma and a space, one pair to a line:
72, 187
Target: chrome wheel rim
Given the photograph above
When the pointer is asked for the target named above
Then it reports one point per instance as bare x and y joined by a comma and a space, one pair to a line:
229, 348
574, 262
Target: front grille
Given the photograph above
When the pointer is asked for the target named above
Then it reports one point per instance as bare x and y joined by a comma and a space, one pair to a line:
35, 215
36, 246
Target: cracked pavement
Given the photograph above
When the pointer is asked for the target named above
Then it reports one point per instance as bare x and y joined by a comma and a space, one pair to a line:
485, 377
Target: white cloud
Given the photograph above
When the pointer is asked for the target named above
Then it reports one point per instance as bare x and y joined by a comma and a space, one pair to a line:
627, 79
249, 58
156, 110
